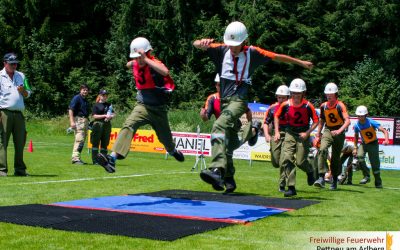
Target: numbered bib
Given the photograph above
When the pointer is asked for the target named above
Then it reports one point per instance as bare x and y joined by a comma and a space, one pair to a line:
332, 118
368, 134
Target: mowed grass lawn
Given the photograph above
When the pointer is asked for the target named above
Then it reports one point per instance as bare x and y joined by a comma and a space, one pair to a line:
53, 179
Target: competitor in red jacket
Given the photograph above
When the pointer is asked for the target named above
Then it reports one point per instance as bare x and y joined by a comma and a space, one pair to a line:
154, 84
298, 112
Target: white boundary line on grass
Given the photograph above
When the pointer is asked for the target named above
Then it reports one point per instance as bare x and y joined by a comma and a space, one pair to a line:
391, 188
90, 179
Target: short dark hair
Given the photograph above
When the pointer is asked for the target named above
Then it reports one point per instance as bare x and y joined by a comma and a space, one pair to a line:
84, 86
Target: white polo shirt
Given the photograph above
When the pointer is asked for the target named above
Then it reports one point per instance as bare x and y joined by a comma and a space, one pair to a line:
10, 98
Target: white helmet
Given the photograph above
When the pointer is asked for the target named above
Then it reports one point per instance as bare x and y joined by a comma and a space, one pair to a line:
282, 90
361, 110
216, 78
331, 88
139, 43
297, 85
235, 34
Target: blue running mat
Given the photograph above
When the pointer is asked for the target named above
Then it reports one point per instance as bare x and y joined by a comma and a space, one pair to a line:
173, 207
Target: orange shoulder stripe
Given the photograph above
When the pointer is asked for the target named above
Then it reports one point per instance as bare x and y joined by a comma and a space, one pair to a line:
264, 52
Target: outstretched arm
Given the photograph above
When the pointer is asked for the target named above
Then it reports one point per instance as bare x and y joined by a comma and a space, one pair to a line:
203, 43
289, 59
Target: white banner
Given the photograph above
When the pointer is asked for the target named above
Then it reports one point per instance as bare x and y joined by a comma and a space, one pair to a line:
192, 143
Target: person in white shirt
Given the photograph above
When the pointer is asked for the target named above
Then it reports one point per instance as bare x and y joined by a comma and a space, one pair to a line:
13, 89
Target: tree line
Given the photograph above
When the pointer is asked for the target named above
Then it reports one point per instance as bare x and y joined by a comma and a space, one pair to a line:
62, 44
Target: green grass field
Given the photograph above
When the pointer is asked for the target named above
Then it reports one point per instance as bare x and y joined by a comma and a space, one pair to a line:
54, 179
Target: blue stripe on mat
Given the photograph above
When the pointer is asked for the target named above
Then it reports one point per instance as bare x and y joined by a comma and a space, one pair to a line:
175, 207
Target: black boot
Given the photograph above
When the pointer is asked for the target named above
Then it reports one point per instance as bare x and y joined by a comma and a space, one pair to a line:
291, 192
214, 176
378, 181
350, 176
94, 156
230, 185
310, 178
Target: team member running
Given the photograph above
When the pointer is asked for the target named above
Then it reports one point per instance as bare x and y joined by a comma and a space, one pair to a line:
282, 94
367, 127
235, 62
335, 118
154, 84
298, 112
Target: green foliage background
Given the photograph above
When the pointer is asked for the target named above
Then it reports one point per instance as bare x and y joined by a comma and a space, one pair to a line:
63, 44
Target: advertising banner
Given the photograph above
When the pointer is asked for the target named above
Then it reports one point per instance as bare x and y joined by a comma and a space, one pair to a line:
259, 152
388, 156
199, 143
192, 143
147, 141
142, 141
396, 132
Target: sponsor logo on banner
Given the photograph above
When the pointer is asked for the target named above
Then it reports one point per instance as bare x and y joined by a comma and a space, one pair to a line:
192, 143
147, 141
261, 156
387, 157
259, 152
142, 141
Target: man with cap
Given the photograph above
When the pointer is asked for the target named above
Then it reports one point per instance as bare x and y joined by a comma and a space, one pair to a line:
102, 113
78, 119
13, 89
235, 62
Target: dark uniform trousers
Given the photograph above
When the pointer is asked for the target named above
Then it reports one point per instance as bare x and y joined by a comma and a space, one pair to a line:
294, 153
12, 123
156, 116
100, 137
224, 133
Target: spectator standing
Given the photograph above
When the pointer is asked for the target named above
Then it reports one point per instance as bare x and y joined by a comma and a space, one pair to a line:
14, 89
78, 119
102, 113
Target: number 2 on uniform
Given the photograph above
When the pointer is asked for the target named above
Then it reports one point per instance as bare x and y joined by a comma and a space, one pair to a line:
297, 118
